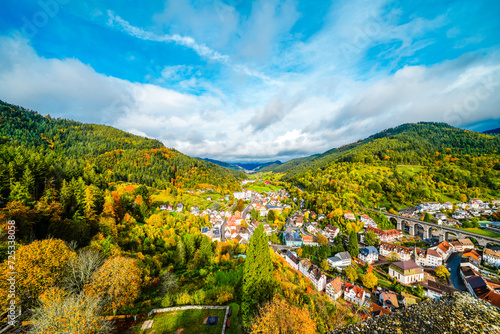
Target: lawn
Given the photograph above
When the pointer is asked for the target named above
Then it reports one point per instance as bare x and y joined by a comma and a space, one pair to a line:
261, 188
483, 232
191, 321
410, 169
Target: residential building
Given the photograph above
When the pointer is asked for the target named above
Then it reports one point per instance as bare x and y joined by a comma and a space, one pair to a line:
385, 236
349, 216
180, 207
317, 277
331, 232
292, 239
433, 259
368, 254
406, 272
292, 260
354, 294
491, 257
368, 221
387, 250
388, 300
436, 290
466, 244
334, 288
444, 249
340, 260
309, 240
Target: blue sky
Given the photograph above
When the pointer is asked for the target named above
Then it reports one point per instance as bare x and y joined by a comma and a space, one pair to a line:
238, 80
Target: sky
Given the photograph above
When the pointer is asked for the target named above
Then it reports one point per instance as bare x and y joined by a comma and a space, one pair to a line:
240, 80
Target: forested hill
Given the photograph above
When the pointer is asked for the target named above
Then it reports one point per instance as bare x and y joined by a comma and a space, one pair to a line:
406, 144
101, 154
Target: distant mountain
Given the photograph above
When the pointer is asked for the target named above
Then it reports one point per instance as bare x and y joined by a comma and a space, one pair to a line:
256, 166
224, 164
492, 132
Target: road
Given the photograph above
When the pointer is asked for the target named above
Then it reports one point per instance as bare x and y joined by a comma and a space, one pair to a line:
453, 265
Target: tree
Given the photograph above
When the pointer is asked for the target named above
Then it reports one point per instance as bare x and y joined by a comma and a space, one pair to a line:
240, 206
442, 272
353, 246
351, 274
427, 217
322, 240
371, 238
278, 316
206, 250
169, 283
81, 268
370, 280
393, 257
258, 281
117, 283
74, 313
271, 216
39, 266
324, 265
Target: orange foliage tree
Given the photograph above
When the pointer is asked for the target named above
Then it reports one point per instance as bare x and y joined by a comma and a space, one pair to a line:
279, 316
39, 266
117, 283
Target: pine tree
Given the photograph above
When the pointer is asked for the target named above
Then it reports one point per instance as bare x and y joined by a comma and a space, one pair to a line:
353, 247
258, 282
206, 250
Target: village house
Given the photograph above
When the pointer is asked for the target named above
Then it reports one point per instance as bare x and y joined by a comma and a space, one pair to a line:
466, 244
309, 240
388, 300
368, 254
354, 294
317, 277
331, 232
340, 260
385, 236
292, 260
444, 249
491, 257
406, 272
368, 221
334, 288
180, 207
433, 259
292, 239
386, 249
436, 290
349, 216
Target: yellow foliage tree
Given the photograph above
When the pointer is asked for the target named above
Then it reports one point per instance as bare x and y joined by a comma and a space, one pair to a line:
370, 280
117, 283
39, 266
278, 316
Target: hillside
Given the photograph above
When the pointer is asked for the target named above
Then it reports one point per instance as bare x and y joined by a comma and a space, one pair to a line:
224, 164
103, 150
492, 132
399, 168
405, 144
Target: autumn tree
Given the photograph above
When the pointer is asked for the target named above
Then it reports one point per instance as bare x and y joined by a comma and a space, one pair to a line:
69, 313
39, 266
258, 281
117, 283
271, 216
370, 280
442, 272
351, 274
324, 265
322, 240
206, 250
280, 317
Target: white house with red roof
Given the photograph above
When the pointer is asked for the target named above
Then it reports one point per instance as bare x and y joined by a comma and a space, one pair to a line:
354, 294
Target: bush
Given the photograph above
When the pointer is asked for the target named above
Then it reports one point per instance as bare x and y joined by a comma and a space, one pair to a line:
167, 301
198, 298
183, 298
235, 309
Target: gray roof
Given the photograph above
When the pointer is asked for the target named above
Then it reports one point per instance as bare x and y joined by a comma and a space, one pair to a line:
343, 255
368, 250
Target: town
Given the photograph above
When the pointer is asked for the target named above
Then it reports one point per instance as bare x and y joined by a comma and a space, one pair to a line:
374, 270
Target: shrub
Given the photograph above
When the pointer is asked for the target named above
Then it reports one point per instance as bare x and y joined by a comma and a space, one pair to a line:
198, 298
167, 301
235, 309
183, 298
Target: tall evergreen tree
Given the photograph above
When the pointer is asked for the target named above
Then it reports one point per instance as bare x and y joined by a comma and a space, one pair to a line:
353, 247
258, 278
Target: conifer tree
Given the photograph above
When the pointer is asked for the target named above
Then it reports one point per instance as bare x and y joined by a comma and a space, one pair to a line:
258, 281
352, 246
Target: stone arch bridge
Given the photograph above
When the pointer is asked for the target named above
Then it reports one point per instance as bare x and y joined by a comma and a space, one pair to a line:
444, 232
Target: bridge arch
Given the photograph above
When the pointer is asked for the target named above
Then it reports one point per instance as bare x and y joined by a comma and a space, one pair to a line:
430, 234
490, 244
395, 222
420, 230
450, 236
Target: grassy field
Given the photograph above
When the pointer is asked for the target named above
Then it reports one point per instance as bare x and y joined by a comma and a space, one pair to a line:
261, 187
483, 232
161, 197
191, 321
410, 169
